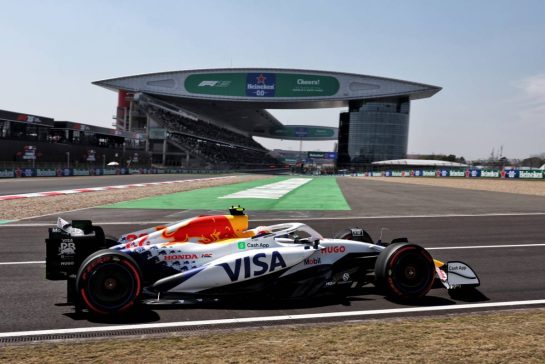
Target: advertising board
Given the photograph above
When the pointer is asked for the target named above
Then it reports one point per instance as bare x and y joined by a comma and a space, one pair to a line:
261, 84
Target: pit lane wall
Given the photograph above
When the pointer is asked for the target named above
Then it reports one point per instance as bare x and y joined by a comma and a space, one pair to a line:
464, 173
67, 172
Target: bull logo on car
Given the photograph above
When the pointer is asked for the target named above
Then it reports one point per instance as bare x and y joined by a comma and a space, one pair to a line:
67, 248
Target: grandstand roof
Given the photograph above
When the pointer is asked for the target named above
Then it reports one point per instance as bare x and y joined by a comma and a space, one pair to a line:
418, 163
241, 96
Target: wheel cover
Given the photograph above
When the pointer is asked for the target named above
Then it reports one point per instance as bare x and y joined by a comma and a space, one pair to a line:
410, 273
111, 286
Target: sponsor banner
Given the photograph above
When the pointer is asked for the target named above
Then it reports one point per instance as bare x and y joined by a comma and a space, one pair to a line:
512, 173
322, 155
7, 173
80, 172
109, 172
377, 174
25, 172
220, 84
428, 173
396, 173
306, 132
46, 172
474, 173
490, 174
261, 84
456, 173
302, 85
535, 174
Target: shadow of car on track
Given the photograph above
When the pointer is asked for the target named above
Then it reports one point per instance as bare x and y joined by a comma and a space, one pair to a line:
463, 295
139, 315
146, 313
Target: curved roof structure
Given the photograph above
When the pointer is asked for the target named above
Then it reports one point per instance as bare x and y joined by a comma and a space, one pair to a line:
241, 96
418, 163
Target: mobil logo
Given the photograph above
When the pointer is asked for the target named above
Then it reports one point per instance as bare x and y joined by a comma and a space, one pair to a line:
333, 249
254, 266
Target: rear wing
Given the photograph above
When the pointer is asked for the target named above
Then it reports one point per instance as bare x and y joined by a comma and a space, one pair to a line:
68, 244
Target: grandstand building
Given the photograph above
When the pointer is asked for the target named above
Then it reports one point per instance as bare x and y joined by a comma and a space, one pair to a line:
65, 143
210, 116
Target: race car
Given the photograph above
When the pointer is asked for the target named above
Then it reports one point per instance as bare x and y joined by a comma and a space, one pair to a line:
214, 256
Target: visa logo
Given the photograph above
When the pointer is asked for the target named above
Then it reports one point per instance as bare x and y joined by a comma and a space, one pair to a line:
254, 266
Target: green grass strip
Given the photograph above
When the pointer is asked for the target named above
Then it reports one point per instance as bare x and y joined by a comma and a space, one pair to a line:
321, 193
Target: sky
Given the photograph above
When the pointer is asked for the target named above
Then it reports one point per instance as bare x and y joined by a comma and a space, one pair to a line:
488, 56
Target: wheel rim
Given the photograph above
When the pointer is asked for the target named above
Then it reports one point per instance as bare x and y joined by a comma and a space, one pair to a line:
411, 273
111, 286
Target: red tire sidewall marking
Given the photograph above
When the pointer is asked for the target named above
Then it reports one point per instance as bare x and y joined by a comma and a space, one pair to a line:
104, 259
394, 259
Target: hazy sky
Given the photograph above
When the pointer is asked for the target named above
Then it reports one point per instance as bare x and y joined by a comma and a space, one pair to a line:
489, 57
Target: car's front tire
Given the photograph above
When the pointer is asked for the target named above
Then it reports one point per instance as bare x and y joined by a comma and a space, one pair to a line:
405, 272
109, 282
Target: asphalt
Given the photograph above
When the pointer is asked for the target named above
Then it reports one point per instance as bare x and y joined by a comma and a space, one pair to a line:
447, 221
12, 186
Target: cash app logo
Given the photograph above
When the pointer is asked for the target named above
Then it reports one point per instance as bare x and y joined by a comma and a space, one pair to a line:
242, 245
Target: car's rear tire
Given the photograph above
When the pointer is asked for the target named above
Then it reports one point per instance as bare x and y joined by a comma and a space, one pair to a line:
347, 234
109, 282
405, 272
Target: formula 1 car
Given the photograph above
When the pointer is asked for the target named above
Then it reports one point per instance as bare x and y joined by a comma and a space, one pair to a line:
217, 256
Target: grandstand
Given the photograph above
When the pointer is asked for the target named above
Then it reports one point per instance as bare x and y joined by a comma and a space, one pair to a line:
210, 116
64, 144
178, 138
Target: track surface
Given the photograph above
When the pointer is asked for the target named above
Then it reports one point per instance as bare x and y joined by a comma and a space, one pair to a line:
29, 302
14, 186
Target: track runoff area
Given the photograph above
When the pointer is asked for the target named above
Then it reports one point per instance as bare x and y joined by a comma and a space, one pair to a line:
499, 234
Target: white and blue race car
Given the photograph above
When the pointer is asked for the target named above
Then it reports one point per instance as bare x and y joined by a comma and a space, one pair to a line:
218, 256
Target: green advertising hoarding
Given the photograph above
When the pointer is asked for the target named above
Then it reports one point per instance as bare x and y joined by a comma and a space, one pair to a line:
262, 84
303, 132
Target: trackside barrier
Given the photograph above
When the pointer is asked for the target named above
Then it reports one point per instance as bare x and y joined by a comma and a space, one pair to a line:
466, 173
66, 172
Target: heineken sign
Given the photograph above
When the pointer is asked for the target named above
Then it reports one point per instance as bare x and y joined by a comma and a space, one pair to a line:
262, 84
296, 132
321, 155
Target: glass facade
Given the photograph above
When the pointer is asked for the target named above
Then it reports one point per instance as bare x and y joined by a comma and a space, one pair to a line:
373, 130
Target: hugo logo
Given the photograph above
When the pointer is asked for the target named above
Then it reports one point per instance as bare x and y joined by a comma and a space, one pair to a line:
333, 249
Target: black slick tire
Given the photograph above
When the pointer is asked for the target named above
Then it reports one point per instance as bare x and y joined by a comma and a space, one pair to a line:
404, 272
109, 282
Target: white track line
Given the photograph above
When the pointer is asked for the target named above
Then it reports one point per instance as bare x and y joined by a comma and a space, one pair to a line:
294, 218
29, 262
432, 248
104, 188
272, 318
